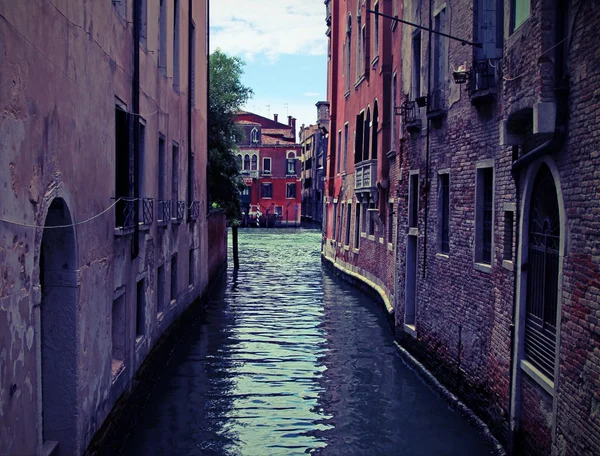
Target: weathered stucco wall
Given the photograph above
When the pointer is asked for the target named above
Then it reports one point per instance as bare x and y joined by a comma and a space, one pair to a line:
63, 66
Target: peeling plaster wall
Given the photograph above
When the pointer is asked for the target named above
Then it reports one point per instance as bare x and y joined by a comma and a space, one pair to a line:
62, 65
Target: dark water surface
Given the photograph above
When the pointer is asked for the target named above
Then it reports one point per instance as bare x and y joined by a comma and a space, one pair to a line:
290, 360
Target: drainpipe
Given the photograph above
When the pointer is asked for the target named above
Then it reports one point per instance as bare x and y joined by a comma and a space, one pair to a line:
191, 46
426, 196
137, 16
207, 100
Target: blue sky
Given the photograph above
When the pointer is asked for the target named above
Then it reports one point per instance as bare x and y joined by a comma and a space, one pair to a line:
284, 46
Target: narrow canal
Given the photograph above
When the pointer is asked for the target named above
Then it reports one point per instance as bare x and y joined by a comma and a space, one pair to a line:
289, 359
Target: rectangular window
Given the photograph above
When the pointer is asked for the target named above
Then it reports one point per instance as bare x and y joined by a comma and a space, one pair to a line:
509, 221
192, 64
376, 31
364, 215
191, 269
176, 45
339, 153
413, 201
173, 278
440, 62
123, 174
141, 160
488, 29
144, 23
341, 224
390, 223
266, 190
334, 221
118, 334
520, 10
345, 159
160, 289
162, 37
358, 139
290, 190
279, 211
444, 213
357, 226
140, 314
484, 211
393, 116
267, 165
162, 165
348, 220
372, 215
291, 166
175, 175
416, 66
120, 7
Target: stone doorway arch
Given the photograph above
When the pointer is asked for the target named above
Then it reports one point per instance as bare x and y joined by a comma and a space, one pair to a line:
58, 331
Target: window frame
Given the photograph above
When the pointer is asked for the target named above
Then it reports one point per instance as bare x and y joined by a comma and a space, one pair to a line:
288, 186
481, 213
263, 187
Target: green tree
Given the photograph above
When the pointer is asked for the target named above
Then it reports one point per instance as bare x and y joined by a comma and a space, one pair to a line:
227, 95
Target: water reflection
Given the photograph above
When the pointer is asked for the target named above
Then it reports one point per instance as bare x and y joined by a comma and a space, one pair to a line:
289, 360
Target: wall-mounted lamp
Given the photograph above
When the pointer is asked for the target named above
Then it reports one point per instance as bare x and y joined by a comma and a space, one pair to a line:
461, 74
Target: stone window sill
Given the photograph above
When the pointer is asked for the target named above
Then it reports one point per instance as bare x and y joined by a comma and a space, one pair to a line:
508, 265
443, 256
538, 377
483, 267
371, 237
390, 246
410, 329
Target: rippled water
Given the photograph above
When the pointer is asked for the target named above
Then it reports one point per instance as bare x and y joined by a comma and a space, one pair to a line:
290, 360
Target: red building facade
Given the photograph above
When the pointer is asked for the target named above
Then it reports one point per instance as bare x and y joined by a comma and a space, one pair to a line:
268, 157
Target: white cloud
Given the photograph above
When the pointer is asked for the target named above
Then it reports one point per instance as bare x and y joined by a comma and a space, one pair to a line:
311, 94
269, 27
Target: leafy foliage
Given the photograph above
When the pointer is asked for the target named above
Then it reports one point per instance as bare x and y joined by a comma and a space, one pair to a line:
227, 95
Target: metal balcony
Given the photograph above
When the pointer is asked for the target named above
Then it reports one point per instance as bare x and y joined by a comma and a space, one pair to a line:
147, 211
409, 112
125, 215
164, 212
194, 210
178, 210
482, 83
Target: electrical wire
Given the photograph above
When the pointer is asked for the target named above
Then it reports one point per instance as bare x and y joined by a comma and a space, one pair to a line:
71, 225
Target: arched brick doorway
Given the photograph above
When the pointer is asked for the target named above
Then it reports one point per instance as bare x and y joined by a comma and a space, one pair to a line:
58, 321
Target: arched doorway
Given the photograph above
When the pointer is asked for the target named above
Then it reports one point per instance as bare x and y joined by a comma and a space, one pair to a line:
58, 321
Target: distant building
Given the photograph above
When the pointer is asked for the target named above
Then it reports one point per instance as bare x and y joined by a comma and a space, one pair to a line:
268, 157
103, 227
313, 142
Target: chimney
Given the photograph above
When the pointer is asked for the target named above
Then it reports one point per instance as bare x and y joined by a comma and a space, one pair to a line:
293, 125
289, 121
275, 117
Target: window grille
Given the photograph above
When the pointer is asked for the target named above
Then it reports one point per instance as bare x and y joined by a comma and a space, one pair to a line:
542, 275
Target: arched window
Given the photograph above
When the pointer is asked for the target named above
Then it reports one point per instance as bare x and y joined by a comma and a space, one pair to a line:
239, 162
246, 162
543, 274
367, 135
375, 128
254, 135
291, 164
348, 54
254, 163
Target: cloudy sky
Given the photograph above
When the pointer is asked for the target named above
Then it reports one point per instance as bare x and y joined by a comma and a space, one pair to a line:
284, 45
